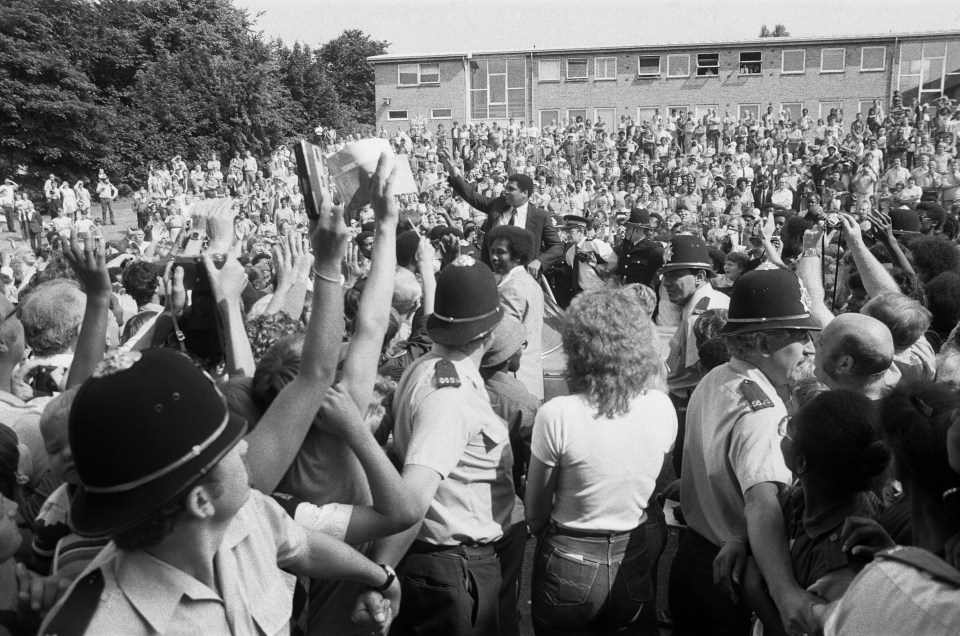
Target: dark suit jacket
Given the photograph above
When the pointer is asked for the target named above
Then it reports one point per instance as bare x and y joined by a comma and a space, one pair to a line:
547, 248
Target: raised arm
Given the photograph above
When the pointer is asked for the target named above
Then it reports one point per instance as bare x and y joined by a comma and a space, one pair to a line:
373, 315
393, 507
281, 431
876, 279
90, 267
466, 191
227, 284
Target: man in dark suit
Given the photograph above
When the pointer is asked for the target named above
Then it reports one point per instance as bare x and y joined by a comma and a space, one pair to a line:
513, 207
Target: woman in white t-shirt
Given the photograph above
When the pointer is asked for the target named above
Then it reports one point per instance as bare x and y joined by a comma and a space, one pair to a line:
596, 455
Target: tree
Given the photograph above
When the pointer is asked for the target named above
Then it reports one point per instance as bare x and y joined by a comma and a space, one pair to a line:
49, 116
345, 61
779, 31
310, 86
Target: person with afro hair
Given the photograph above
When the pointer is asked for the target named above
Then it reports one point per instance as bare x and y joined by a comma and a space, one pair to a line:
933, 255
943, 301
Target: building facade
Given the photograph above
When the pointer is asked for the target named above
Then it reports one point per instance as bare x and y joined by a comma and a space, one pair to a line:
789, 74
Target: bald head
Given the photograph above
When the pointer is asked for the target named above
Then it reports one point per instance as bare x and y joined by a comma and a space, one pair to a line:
854, 348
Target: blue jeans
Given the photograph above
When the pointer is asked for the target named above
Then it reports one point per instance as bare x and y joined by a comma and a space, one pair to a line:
594, 583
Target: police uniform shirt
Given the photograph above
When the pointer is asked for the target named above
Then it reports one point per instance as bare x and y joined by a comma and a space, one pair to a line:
683, 345
588, 277
731, 445
641, 263
449, 426
144, 595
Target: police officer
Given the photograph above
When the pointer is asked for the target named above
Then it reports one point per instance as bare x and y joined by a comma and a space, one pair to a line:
640, 254
591, 259
456, 456
733, 470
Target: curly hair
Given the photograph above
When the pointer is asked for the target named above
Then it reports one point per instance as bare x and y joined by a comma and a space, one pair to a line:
519, 240
266, 329
611, 349
933, 255
837, 433
51, 317
140, 280
915, 419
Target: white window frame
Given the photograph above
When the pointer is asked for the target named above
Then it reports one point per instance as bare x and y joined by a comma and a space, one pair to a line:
748, 105
799, 109
842, 69
596, 69
782, 57
544, 124
433, 113
571, 119
823, 113
740, 64
716, 66
659, 66
640, 120
586, 68
419, 66
883, 59
540, 76
390, 116
672, 55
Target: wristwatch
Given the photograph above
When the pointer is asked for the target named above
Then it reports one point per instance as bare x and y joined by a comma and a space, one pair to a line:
391, 577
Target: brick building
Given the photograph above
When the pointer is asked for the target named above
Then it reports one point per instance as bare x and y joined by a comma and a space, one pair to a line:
789, 73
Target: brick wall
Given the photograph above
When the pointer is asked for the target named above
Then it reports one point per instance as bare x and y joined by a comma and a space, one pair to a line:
421, 100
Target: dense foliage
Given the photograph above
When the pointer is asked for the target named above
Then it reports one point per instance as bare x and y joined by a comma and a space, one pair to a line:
117, 83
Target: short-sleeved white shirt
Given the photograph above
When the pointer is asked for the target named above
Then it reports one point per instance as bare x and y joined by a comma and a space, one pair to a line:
607, 467
729, 447
454, 431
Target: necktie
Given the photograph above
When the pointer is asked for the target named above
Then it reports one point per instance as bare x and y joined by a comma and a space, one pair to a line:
510, 214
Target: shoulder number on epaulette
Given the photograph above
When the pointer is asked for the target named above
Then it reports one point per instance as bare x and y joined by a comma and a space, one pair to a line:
446, 374
755, 396
701, 306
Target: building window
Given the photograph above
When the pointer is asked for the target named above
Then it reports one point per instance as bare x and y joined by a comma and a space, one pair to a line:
416, 74
833, 60
703, 110
497, 88
577, 69
750, 62
605, 68
708, 64
829, 108
648, 66
749, 111
397, 115
549, 118
794, 61
549, 71
873, 58
864, 106
678, 65
647, 113
928, 71
441, 113
791, 111
573, 113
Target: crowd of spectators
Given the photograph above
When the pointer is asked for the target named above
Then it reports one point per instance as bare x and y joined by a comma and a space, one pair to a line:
239, 419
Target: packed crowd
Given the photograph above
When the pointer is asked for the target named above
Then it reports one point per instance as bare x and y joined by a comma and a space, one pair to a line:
241, 419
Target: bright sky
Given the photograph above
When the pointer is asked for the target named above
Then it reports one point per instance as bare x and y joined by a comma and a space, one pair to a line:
433, 26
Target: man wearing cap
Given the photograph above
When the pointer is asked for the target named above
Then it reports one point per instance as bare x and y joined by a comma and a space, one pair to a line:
640, 255
591, 260
456, 457
687, 270
194, 549
512, 207
733, 470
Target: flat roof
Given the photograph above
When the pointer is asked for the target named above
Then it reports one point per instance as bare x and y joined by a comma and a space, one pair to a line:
769, 42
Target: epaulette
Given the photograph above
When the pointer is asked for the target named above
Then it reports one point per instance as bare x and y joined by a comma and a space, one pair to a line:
756, 398
701, 306
78, 609
445, 374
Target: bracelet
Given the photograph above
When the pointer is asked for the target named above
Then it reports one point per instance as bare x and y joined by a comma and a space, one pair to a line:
810, 252
949, 492
329, 279
391, 577
740, 541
